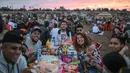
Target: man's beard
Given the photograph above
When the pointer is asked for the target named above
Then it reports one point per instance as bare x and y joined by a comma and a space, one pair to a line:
35, 41
9, 60
63, 29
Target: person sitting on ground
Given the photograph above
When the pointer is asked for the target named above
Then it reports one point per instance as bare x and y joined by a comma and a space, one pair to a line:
117, 30
127, 33
95, 29
89, 56
25, 51
113, 62
33, 42
79, 29
54, 34
117, 44
108, 26
31, 23
127, 27
11, 59
24, 46
12, 24
63, 34
45, 34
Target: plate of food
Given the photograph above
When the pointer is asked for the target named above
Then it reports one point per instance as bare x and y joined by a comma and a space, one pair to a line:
44, 67
49, 58
57, 62
70, 68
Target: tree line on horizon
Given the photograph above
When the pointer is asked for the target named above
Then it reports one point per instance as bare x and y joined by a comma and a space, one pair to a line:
59, 9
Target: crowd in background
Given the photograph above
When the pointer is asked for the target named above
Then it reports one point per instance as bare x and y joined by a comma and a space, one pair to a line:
55, 29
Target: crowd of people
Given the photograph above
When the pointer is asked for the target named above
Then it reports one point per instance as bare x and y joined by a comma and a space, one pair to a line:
26, 37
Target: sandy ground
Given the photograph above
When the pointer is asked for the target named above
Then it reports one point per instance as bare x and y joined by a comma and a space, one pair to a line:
104, 40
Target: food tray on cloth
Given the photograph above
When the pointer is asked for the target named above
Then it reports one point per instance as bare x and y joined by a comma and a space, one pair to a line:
68, 68
51, 59
47, 64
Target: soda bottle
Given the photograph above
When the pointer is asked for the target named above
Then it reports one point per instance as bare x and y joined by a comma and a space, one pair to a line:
60, 52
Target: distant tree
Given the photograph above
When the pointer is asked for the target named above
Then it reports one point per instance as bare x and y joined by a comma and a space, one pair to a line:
34, 9
105, 9
77, 9
83, 9
117, 10
22, 9
88, 9
5, 9
40, 9
48, 9
112, 9
93, 9
124, 9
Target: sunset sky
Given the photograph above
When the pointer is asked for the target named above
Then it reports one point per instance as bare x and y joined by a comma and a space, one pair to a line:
69, 4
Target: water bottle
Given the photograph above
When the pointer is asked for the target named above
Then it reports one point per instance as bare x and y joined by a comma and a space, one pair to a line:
75, 55
54, 41
69, 54
60, 52
72, 54
39, 55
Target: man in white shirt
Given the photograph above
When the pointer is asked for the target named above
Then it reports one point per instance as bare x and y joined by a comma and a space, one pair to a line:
95, 29
63, 34
54, 34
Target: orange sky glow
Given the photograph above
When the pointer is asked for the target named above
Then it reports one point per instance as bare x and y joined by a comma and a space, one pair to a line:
69, 4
